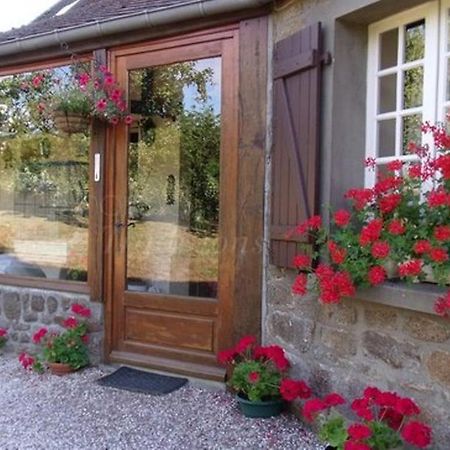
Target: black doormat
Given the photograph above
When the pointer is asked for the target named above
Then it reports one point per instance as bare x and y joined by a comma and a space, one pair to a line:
140, 381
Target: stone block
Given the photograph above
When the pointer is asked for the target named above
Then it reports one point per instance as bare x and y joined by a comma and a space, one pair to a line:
392, 352
12, 306
24, 338
427, 329
66, 303
342, 314
438, 365
295, 332
52, 305
30, 316
37, 303
342, 343
21, 326
382, 317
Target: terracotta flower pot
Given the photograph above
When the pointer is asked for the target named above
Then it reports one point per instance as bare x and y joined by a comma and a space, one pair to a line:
60, 369
70, 123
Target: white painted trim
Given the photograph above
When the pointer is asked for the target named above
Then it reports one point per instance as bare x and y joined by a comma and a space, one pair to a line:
432, 93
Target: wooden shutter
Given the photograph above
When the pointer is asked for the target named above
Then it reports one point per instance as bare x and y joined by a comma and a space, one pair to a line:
295, 156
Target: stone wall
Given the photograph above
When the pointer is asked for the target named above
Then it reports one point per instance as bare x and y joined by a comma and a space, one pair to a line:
23, 311
345, 347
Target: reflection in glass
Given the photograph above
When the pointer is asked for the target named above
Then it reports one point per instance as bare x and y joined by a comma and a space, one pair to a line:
386, 138
414, 41
387, 93
389, 48
448, 79
411, 130
413, 87
173, 165
43, 184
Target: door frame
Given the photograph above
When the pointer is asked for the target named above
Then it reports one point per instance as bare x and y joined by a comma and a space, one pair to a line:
225, 41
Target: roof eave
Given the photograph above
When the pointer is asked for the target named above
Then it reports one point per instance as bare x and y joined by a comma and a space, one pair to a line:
197, 9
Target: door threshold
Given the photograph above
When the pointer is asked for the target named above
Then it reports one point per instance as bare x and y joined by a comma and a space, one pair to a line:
198, 373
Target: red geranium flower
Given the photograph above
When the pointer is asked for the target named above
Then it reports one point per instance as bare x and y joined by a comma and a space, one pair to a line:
254, 377
380, 249
245, 343
292, 389
438, 254
299, 286
226, 356
359, 431
389, 202
417, 433
38, 336
342, 218
377, 275
334, 399
70, 322
312, 407
81, 310
302, 261
422, 246
354, 445
396, 227
407, 407
3, 332
394, 165
442, 305
442, 232
410, 268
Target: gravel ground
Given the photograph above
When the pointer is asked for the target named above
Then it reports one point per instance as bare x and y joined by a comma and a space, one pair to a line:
72, 412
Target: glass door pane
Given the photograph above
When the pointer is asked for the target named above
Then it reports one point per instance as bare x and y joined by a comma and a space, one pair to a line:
173, 179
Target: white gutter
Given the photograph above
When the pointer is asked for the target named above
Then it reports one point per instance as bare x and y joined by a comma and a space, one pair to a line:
194, 9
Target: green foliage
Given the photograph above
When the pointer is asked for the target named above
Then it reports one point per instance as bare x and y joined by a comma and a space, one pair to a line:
334, 432
384, 437
68, 348
73, 101
267, 386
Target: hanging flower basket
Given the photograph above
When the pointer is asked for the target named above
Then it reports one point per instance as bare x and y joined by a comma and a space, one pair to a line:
70, 123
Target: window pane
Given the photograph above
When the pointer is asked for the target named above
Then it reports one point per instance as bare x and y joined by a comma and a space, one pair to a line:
413, 87
43, 184
448, 30
415, 41
173, 164
388, 48
411, 130
387, 93
386, 138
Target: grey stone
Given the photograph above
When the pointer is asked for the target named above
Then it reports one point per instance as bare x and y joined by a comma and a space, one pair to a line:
30, 317
21, 326
438, 364
24, 338
52, 305
12, 306
46, 320
384, 347
428, 329
14, 336
383, 317
37, 303
343, 314
295, 332
342, 343
65, 303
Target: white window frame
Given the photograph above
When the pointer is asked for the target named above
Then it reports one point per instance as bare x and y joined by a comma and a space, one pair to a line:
435, 14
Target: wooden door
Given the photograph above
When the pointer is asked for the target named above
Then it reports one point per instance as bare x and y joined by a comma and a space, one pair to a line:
170, 268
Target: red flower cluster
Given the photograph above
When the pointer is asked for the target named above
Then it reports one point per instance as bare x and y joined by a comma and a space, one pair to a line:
302, 261
377, 275
333, 286
342, 218
360, 197
39, 335
3, 333
442, 305
300, 284
293, 389
26, 360
371, 232
81, 310
70, 322
380, 249
416, 433
410, 268
254, 377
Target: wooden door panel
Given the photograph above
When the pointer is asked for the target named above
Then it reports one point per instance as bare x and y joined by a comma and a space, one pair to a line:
170, 309
172, 330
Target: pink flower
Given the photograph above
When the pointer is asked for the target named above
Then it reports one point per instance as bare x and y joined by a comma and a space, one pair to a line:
26, 360
299, 286
3, 332
84, 79
109, 80
102, 104
129, 120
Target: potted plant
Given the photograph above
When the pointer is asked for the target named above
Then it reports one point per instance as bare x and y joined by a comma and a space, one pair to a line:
71, 111
3, 337
399, 228
257, 376
385, 421
62, 352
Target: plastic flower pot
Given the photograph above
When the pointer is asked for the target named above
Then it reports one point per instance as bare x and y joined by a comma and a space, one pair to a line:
70, 123
60, 369
261, 409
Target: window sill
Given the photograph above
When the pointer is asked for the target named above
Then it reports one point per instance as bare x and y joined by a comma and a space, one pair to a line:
416, 297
